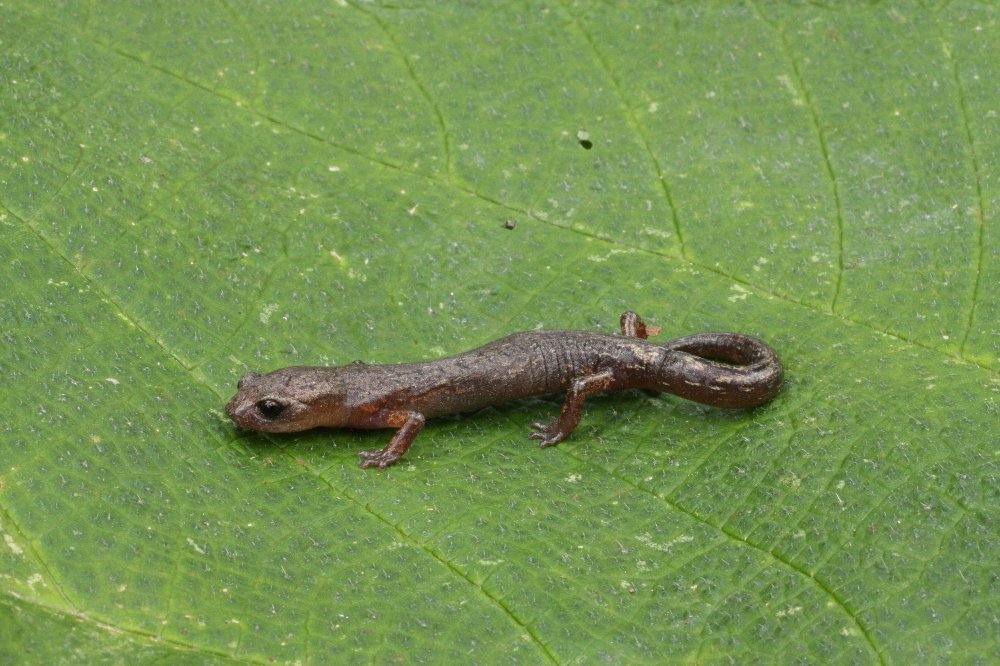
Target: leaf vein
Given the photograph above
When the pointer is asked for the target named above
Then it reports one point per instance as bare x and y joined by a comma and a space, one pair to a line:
496, 602
636, 127
445, 140
825, 587
824, 150
981, 222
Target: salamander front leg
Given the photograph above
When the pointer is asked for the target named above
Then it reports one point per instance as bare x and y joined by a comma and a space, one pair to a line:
409, 424
556, 430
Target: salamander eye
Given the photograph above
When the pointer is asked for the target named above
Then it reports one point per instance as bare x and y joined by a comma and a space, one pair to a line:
270, 408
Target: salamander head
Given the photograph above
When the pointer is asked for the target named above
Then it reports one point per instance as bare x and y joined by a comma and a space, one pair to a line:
287, 400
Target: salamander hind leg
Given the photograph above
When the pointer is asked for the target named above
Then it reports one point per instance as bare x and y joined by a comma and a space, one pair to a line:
556, 430
549, 432
634, 327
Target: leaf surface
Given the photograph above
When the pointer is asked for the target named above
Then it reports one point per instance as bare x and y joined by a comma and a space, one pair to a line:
188, 192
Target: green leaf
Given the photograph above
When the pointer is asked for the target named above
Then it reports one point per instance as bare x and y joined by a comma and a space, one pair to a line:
193, 190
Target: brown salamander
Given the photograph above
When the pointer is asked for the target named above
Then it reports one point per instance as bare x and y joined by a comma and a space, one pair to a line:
403, 395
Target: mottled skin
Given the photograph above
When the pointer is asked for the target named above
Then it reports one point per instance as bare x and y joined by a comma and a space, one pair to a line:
403, 395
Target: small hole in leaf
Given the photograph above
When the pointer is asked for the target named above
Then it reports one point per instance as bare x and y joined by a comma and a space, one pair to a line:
583, 136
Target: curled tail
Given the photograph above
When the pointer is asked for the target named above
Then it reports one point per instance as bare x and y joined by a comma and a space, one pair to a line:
718, 369
750, 376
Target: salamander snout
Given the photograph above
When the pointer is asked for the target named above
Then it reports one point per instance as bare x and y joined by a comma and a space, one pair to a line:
258, 406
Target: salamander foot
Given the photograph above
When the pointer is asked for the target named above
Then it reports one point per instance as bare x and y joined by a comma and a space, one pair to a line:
379, 457
549, 432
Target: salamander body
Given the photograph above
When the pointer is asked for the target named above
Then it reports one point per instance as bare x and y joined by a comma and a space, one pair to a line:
404, 395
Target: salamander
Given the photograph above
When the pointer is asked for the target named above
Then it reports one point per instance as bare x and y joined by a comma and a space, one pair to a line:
718, 369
